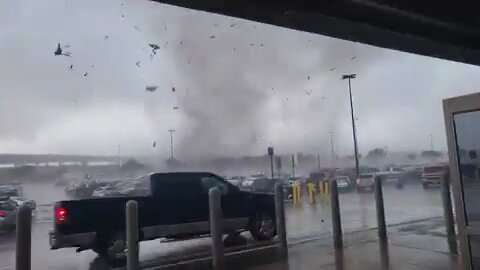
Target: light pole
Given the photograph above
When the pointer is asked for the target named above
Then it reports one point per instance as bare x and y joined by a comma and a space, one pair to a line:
431, 141
333, 150
355, 146
171, 142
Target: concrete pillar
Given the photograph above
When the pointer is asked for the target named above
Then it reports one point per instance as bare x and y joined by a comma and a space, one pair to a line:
132, 235
218, 253
280, 220
23, 255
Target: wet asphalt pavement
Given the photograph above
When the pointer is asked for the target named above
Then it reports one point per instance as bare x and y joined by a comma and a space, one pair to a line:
303, 221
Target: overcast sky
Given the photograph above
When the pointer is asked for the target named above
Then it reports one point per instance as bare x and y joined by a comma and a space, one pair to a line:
239, 86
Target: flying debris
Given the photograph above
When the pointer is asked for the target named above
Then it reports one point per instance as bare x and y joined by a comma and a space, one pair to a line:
212, 37
216, 25
123, 15
308, 92
353, 58
137, 28
106, 37
85, 75
137, 63
70, 67
151, 88
175, 108
165, 26
261, 45
181, 42
251, 44
59, 51
154, 47
121, 4
308, 77
92, 66
173, 89
332, 69
154, 144
233, 25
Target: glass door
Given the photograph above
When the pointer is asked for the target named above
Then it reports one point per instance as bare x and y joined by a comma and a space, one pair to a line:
462, 119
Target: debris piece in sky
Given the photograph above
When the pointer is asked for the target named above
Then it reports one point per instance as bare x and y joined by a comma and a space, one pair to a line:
66, 46
123, 16
308, 77
151, 88
137, 63
175, 108
233, 25
353, 58
85, 75
173, 89
332, 69
121, 4
71, 67
92, 66
216, 25
154, 144
234, 49
189, 61
165, 26
261, 45
105, 37
181, 42
137, 28
308, 92
212, 37
59, 51
251, 44
154, 47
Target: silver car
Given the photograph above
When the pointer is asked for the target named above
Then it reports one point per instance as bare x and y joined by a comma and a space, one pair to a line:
8, 214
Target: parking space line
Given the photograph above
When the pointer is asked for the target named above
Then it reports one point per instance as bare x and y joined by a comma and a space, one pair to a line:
6, 267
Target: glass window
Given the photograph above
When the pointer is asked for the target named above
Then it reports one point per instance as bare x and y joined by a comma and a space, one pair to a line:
209, 182
467, 129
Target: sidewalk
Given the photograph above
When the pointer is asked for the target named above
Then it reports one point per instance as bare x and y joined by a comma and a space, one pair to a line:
416, 246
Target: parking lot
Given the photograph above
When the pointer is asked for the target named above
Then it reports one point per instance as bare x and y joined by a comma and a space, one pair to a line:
303, 221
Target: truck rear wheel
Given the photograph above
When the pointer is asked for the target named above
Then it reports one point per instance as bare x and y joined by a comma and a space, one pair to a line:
110, 245
262, 227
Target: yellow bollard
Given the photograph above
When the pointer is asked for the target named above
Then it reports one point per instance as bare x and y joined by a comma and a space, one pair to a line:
297, 195
311, 192
294, 193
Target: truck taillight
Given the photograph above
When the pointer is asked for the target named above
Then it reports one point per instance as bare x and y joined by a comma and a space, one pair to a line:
2, 214
61, 215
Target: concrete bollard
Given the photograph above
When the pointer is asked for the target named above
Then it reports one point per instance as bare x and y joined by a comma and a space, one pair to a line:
215, 207
380, 208
280, 221
132, 235
23, 255
336, 221
448, 214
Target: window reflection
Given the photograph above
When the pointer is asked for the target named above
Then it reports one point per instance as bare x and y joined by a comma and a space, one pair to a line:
467, 128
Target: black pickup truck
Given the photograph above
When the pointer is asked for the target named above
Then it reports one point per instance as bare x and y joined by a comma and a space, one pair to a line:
176, 208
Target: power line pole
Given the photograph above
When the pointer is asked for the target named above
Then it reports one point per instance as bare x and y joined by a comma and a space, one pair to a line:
318, 163
171, 142
355, 146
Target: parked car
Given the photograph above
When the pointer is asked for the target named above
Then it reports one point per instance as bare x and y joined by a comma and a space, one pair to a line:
365, 182
8, 214
343, 183
431, 175
237, 180
177, 207
19, 201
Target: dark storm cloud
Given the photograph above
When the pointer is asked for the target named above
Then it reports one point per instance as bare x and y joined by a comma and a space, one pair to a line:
229, 87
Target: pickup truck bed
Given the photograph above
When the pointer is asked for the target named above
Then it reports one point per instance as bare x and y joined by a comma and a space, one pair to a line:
177, 207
